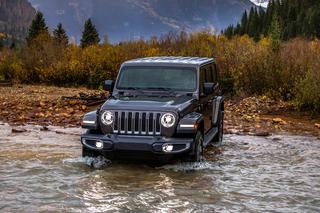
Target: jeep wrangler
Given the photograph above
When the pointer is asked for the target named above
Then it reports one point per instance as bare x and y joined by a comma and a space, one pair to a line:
159, 108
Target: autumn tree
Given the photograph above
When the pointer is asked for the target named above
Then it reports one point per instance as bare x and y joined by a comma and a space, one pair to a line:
90, 35
60, 35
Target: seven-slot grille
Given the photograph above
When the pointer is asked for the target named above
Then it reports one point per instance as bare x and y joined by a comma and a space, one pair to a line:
137, 123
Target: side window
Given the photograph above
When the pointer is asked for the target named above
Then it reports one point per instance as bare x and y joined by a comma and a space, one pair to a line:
202, 79
214, 73
209, 74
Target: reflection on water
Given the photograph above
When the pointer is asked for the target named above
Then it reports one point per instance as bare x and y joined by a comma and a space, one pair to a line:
43, 171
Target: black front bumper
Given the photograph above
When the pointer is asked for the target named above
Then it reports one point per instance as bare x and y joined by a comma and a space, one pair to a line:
139, 147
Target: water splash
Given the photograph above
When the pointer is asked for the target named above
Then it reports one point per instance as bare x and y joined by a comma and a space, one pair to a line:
99, 162
188, 166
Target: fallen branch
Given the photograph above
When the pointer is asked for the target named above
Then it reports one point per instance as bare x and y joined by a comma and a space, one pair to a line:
4, 83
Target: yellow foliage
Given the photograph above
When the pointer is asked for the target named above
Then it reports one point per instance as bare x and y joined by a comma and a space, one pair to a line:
245, 66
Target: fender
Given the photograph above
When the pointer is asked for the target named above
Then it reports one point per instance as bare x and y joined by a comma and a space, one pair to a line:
217, 104
90, 120
190, 123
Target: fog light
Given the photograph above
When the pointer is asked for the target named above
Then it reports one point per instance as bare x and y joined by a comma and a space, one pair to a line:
99, 144
167, 147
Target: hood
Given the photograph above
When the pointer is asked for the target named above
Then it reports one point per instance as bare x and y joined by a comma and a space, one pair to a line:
177, 104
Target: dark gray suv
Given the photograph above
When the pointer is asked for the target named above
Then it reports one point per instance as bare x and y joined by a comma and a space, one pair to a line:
160, 108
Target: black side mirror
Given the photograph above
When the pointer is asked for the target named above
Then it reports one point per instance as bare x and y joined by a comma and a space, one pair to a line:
108, 86
208, 88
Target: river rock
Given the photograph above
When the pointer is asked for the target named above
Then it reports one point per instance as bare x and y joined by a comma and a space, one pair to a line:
278, 121
18, 130
231, 131
44, 128
262, 134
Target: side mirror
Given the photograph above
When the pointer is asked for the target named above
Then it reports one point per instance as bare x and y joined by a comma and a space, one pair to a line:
208, 88
108, 86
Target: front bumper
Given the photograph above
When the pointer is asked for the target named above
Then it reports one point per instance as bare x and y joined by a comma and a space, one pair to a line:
135, 146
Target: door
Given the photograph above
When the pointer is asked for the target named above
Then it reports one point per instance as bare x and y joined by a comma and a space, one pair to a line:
207, 75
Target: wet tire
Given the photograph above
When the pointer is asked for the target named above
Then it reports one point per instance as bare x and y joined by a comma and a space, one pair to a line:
217, 140
197, 156
89, 153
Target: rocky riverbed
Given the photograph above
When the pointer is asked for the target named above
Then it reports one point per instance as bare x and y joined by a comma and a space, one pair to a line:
46, 106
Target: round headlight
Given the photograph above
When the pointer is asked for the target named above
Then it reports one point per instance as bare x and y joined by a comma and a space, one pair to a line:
168, 120
107, 118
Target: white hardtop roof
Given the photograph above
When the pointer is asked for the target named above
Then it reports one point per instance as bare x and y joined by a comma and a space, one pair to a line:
171, 60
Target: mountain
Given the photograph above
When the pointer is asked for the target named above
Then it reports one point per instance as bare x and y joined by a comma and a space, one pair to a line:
15, 19
130, 19
262, 3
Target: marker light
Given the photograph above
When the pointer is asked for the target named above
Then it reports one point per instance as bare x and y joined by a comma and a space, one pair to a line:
192, 126
167, 147
88, 122
99, 144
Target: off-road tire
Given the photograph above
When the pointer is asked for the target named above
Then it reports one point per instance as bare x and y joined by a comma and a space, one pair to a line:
217, 140
197, 156
89, 153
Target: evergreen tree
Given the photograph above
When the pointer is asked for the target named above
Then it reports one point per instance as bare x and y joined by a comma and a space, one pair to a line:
237, 30
294, 18
275, 32
256, 26
37, 27
229, 31
251, 27
60, 35
244, 23
311, 26
261, 18
90, 34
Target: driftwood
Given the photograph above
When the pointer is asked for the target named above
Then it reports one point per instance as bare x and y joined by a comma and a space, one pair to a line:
89, 100
4, 83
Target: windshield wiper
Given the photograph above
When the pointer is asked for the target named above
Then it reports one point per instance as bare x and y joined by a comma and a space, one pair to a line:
159, 88
131, 88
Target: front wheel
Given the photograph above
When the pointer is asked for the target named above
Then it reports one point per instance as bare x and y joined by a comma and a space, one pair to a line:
89, 153
198, 149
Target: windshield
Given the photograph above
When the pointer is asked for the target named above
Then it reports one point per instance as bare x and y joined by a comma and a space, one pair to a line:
158, 78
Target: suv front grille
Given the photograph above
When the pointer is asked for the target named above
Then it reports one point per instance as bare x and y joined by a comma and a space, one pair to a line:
137, 123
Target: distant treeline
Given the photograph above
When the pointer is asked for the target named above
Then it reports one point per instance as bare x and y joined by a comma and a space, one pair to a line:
289, 18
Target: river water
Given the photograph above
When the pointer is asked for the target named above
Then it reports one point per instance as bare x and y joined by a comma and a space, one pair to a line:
41, 171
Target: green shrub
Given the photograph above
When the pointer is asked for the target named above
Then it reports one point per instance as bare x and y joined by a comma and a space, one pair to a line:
308, 92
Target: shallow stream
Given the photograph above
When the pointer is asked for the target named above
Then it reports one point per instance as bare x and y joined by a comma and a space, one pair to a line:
43, 171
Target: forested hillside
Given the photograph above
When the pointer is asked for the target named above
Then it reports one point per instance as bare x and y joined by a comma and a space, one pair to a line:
131, 19
15, 19
288, 18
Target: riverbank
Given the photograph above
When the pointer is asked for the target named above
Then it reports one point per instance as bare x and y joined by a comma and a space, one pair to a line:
47, 106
